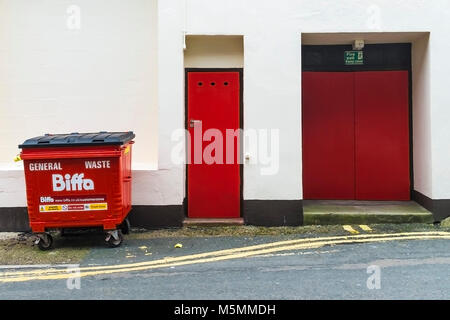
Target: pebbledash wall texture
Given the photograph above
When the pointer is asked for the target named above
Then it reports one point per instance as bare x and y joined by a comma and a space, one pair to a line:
92, 65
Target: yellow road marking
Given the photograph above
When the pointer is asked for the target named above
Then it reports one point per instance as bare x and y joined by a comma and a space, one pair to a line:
233, 250
365, 227
20, 277
350, 229
230, 251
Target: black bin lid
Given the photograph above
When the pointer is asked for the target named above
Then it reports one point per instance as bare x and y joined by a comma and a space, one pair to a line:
79, 139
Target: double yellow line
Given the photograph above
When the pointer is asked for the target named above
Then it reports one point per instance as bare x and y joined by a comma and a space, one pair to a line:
214, 256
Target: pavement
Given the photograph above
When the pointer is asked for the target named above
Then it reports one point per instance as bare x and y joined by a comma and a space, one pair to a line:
355, 262
8, 235
332, 212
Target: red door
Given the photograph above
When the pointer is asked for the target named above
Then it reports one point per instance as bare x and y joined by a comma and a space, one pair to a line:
328, 135
356, 135
213, 102
382, 135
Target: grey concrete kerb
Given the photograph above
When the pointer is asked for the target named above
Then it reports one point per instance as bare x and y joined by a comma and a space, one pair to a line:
8, 235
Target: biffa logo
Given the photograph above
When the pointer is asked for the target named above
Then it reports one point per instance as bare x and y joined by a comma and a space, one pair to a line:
71, 183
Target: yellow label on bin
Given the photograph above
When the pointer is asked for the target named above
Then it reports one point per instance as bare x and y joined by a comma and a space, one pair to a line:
50, 208
98, 206
73, 207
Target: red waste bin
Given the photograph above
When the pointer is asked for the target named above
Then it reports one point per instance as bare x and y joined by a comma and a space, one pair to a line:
78, 180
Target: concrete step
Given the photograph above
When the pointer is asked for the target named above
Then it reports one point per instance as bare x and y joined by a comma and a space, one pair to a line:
213, 222
320, 212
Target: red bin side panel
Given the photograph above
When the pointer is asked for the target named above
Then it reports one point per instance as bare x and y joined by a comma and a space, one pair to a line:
126, 178
328, 135
382, 135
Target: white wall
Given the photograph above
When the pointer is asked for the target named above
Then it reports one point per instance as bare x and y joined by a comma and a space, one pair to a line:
271, 88
440, 108
422, 154
170, 98
214, 52
272, 66
101, 77
54, 79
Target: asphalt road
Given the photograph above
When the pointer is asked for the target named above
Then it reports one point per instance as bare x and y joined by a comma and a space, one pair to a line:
408, 269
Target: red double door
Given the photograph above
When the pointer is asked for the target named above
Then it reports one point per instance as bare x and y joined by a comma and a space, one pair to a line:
356, 135
213, 103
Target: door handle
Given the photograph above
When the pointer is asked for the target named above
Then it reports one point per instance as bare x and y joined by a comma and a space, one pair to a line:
192, 122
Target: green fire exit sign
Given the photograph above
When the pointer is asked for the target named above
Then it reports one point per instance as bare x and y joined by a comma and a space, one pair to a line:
354, 58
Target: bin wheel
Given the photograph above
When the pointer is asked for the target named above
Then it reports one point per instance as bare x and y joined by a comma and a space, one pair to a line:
45, 242
114, 238
125, 227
